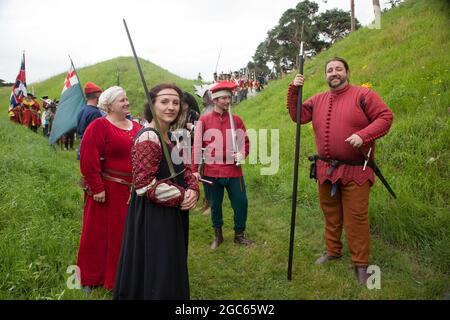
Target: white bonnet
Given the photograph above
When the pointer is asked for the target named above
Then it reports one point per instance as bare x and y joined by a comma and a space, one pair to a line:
108, 96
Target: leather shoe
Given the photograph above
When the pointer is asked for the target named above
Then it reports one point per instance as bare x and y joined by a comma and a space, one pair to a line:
218, 238
361, 275
325, 258
240, 238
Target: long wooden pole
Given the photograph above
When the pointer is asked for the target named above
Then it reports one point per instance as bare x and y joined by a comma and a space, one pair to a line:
296, 163
352, 13
173, 174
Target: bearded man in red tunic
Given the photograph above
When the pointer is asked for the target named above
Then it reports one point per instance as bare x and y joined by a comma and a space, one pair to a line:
346, 120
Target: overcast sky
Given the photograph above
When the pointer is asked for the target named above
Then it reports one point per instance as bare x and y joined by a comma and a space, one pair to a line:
183, 37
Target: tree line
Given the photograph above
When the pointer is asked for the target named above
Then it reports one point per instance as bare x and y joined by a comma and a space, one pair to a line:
3, 83
320, 31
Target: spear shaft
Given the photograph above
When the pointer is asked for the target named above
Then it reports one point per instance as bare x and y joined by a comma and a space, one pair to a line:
296, 162
173, 174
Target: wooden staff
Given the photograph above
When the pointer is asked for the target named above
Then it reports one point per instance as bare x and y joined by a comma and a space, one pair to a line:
173, 174
297, 156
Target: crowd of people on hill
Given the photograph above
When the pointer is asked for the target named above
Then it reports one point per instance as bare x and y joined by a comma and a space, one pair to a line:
30, 114
246, 85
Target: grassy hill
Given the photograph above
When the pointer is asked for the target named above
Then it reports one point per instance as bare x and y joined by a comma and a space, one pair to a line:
104, 74
406, 62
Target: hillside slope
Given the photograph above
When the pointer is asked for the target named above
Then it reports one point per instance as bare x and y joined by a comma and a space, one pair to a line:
406, 62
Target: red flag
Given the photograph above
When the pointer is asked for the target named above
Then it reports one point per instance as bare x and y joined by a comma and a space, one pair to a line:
70, 80
19, 90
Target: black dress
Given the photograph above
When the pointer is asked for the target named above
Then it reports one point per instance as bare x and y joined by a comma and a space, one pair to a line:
153, 258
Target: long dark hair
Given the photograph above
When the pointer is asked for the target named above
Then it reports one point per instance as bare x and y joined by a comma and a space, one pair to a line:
154, 92
190, 115
190, 100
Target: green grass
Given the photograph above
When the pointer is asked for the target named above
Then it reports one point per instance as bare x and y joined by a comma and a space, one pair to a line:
406, 62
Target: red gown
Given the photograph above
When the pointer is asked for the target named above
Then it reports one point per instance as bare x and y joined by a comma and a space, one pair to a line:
26, 116
105, 147
36, 114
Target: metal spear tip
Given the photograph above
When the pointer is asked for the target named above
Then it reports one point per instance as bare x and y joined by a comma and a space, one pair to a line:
301, 49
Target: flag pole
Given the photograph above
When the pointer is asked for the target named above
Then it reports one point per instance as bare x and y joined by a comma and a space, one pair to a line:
25, 75
78, 78
218, 58
296, 162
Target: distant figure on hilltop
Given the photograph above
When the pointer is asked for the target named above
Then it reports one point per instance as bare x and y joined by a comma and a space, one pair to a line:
27, 104
347, 120
15, 114
35, 113
45, 115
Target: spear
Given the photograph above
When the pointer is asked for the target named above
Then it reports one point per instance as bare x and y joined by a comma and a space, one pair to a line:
296, 162
173, 174
218, 58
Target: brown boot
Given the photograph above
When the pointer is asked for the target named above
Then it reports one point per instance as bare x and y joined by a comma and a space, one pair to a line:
240, 238
218, 238
361, 275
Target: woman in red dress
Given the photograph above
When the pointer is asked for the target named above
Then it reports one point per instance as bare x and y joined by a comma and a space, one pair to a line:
105, 163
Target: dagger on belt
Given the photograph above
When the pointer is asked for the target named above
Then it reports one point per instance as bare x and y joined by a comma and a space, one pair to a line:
371, 163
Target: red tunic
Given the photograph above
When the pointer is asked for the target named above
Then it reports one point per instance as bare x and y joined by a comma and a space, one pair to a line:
15, 114
104, 147
219, 162
36, 114
335, 116
26, 116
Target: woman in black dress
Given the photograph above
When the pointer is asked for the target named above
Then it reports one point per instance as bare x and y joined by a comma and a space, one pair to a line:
153, 259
